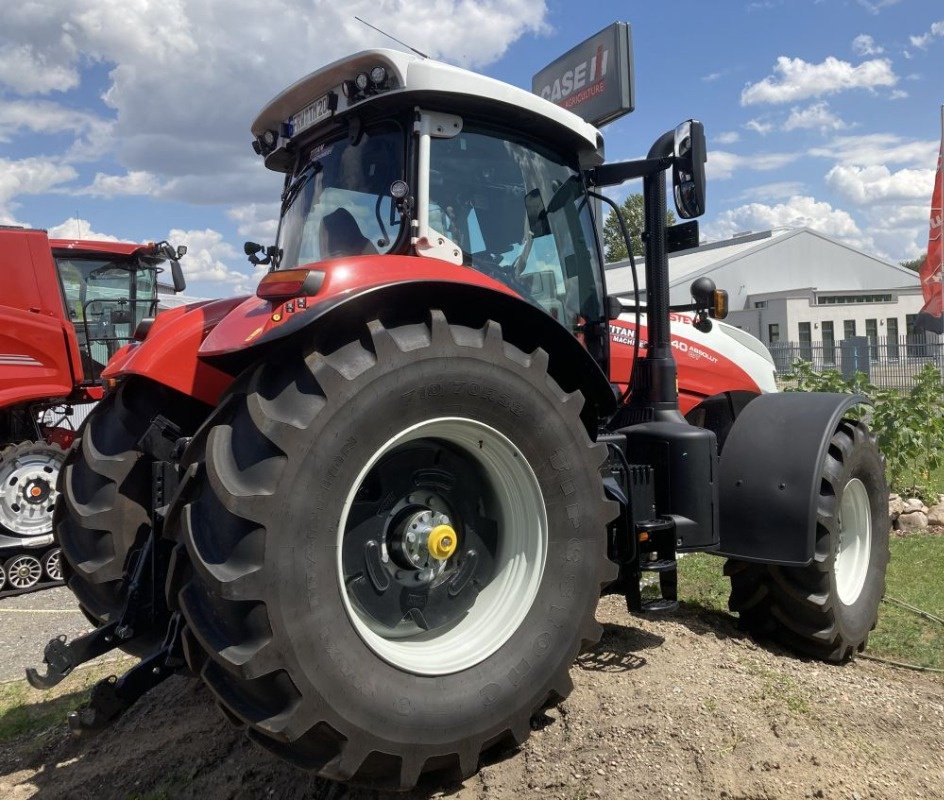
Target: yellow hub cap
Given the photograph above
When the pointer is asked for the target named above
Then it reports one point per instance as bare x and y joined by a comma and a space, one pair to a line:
442, 542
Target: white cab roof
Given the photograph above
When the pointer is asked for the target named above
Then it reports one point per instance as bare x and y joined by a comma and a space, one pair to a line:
414, 74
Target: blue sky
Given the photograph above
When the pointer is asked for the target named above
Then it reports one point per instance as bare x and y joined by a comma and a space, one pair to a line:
130, 118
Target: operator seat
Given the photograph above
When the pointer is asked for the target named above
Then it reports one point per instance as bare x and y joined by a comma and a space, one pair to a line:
341, 236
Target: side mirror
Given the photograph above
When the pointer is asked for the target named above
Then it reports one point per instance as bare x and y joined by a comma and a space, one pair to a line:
688, 170
180, 282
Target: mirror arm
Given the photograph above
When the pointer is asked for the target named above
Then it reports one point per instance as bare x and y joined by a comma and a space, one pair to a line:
622, 171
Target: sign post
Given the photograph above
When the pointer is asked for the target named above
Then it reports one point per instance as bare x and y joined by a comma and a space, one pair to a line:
595, 79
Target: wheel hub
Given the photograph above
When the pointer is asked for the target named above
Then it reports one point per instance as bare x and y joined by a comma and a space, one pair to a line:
854, 541
28, 493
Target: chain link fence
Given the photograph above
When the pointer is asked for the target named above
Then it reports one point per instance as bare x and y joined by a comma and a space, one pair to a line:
888, 362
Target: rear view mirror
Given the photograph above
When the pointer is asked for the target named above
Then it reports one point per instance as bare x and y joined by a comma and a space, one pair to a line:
688, 170
180, 283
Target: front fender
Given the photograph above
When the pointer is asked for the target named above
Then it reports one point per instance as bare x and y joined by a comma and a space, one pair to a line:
770, 474
169, 352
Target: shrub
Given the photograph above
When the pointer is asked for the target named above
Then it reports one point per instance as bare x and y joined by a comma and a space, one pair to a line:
909, 425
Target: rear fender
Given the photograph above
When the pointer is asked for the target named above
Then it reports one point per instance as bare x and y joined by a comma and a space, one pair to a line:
169, 352
770, 474
341, 318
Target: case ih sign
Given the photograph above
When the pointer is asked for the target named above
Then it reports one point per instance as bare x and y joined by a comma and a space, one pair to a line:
593, 80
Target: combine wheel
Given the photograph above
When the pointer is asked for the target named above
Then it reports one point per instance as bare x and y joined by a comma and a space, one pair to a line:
827, 609
52, 564
23, 571
103, 516
28, 475
395, 550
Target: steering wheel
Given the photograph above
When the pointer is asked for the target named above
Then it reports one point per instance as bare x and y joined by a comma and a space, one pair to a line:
487, 264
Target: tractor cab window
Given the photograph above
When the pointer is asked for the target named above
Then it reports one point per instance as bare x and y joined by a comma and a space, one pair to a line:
520, 214
338, 203
106, 299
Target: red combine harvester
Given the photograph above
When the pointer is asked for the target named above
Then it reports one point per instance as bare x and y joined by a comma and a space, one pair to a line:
66, 307
373, 506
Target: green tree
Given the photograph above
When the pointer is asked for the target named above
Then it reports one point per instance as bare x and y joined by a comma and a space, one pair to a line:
614, 247
915, 263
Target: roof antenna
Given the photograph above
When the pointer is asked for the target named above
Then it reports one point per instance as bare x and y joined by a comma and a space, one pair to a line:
389, 36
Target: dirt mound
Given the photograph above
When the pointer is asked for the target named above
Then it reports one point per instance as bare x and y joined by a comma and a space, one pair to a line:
680, 708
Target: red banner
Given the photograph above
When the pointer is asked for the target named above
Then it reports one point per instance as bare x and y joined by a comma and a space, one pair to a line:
931, 317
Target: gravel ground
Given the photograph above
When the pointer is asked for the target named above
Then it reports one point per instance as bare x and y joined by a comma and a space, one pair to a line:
28, 621
685, 707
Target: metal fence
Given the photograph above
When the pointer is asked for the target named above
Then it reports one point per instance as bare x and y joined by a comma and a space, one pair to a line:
889, 362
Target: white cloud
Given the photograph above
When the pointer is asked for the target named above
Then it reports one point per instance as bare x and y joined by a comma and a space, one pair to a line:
27, 71
711, 76
28, 176
817, 117
798, 211
727, 137
759, 126
877, 184
779, 190
864, 45
209, 259
878, 148
722, 164
258, 222
77, 228
796, 79
924, 40
875, 6
137, 182
92, 134
186, 77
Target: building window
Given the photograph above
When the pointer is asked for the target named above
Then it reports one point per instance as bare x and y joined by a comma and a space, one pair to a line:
916, 340
806, 342
760, 304
843, 299
829, 343
871, 332
891, 339
848, 329
773, 334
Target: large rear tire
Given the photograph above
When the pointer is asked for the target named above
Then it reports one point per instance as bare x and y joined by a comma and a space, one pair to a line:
827, 609
103, 516
318, 612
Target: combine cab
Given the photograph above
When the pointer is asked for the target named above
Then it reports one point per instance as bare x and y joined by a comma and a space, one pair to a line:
373, 506
67, 306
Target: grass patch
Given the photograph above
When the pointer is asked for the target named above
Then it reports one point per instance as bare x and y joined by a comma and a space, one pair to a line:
914, 576
27, 712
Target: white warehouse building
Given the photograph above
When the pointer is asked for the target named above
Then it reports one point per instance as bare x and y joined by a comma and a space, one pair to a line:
800, 287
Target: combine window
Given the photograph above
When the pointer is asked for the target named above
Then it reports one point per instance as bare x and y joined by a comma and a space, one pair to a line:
520, 214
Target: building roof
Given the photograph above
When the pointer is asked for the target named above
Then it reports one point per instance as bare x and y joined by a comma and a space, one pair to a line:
686, 265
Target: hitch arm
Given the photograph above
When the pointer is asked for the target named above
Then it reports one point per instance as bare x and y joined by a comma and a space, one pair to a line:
61, 657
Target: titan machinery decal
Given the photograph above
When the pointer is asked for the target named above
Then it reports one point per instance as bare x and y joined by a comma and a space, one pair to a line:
593, 80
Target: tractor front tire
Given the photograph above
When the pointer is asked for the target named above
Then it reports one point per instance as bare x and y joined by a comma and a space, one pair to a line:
103, 514
827, 609
392, 551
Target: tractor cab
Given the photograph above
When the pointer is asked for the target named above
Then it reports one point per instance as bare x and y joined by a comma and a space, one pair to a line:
109, 289
481, 175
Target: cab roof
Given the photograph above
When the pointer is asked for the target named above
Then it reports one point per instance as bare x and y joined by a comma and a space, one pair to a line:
435, 83
89, 247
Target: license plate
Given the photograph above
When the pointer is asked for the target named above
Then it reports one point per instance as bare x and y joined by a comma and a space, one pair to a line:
312, 114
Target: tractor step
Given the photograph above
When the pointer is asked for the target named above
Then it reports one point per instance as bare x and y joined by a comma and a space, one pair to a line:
659, 606
659, 565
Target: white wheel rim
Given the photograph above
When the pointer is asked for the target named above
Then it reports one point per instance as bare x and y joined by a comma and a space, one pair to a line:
23, 572
855, 541
502, 605
53, 564
19, 477
3, 577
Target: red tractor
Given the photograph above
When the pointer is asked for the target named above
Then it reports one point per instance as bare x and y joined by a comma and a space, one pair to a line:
67, 306
373, 506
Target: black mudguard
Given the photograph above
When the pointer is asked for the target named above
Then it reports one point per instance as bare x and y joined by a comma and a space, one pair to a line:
771, 468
